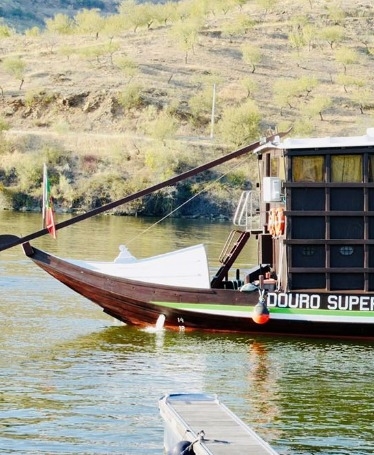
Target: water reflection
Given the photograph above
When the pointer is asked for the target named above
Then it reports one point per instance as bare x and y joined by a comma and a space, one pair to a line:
75, 381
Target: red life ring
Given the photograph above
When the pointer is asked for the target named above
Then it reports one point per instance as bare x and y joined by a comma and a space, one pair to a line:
280, 221
272, 221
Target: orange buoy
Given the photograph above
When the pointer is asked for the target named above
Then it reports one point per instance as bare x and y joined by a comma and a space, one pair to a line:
260, 313
280, 221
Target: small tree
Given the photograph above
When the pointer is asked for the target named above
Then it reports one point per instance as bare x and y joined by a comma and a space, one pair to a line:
251, 55
163, 126
16, 67
267, 5
346, 56
350, 81
186, 34
238, 26
336, 14
138, 15
363, 98
89, 21
296, 39
60, 24
317, 106
240, 124
4, 144
332, 35
5, 31
33, 31
4, 125
100, 51
128, 66
201, 105
309, 34
249, 85
289, 91
302, 127
166, 12
130, 97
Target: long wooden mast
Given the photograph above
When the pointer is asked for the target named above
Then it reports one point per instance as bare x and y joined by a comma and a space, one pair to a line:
8, 241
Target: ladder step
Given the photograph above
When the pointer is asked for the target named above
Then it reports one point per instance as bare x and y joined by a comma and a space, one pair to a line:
229, 254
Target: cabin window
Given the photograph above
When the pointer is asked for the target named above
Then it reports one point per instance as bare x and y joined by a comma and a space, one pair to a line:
307, 198
346, 250
307, 168
346, 168
371, 228
341, 281
274, 167
311, 227
371, 168
308, 251
343, 198
277, 167
347, 256
308, 256
347, 227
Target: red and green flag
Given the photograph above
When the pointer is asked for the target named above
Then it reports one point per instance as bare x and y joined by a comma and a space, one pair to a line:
48, 215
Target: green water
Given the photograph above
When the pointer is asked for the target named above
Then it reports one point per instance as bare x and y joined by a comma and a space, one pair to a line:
74, 380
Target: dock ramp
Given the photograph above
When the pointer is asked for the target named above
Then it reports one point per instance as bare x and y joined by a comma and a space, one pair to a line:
202, 425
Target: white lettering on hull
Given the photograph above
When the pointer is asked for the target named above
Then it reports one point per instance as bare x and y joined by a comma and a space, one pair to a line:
314, 301
350, 302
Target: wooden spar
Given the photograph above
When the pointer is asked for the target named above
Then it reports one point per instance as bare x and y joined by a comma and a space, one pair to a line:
9, 241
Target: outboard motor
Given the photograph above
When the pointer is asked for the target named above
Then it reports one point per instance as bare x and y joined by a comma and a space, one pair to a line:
182, 448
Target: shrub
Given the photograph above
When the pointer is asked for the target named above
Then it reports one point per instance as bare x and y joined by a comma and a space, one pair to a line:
201, 106
16, 67
240, 124
163, 127
130, 97
5, 31
4, 125
38, 97
60, 24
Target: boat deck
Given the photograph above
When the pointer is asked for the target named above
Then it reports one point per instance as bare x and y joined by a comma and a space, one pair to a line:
188, 416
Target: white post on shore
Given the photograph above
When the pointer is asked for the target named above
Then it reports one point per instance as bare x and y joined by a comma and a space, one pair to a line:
213, 109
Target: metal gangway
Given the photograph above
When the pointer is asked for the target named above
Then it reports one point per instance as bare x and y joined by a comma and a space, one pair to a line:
247, 214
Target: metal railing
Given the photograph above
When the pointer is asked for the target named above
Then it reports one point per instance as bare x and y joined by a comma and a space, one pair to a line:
247, 213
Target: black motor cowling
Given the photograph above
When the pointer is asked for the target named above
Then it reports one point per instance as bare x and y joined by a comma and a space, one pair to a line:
182, 448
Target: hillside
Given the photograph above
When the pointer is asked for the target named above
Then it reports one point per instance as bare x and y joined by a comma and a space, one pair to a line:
166, 78
24, 14
71, 88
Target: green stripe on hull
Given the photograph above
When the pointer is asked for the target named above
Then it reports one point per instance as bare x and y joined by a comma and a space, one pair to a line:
204, 306
273, 310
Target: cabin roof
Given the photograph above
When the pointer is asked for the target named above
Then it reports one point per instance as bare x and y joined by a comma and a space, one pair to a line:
328, 142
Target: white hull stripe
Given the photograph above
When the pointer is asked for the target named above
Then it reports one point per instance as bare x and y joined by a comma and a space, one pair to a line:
352, 317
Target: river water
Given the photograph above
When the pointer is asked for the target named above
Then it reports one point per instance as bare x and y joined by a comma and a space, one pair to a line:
73, 380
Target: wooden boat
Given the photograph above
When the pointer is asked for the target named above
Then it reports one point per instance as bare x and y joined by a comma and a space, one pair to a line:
313, 217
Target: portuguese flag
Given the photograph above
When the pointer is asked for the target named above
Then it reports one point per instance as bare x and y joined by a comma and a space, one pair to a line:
48, 215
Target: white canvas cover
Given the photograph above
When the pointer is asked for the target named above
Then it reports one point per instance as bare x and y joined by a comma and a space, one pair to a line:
187, 267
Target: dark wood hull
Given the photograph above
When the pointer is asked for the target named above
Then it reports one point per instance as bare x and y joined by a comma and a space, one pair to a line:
140, 304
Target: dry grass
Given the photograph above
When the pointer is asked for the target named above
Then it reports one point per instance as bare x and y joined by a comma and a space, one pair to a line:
85, 116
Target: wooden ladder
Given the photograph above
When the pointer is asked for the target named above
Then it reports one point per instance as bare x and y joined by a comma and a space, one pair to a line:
231, 250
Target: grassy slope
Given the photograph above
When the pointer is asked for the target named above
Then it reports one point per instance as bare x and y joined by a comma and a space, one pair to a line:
168, 79
85, 118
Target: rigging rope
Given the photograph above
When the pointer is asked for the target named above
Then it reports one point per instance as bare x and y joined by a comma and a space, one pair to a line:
186, 202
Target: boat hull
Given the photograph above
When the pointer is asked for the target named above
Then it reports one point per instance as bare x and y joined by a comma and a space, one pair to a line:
220, 310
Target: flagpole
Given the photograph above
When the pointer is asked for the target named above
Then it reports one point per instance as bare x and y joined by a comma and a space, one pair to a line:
44, 194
